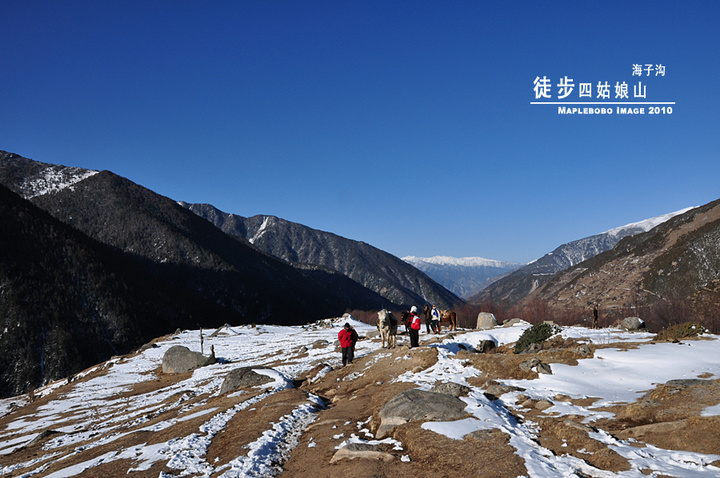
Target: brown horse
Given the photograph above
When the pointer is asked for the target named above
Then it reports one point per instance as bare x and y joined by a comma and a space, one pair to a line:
450, 318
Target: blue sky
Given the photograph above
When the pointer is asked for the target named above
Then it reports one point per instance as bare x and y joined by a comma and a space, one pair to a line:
407, 125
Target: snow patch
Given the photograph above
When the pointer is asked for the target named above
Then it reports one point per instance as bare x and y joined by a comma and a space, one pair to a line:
54, 179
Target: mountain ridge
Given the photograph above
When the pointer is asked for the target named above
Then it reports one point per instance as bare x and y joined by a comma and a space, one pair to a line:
295, 243
511, 289
676, 262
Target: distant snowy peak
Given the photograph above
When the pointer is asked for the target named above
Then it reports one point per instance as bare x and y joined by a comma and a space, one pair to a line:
464, 276
458, 261
54, 179
647, 224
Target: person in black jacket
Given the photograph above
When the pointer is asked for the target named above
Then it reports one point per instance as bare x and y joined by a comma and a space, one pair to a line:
427, 313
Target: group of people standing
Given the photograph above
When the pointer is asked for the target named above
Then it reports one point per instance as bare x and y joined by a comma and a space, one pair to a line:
348, 337
432, 322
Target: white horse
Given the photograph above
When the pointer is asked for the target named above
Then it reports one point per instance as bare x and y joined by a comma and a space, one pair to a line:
388, 328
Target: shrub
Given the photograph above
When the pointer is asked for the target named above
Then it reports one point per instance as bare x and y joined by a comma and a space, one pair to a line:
534, 335
681, 331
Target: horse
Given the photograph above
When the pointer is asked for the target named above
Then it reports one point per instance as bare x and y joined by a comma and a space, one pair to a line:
449, 317
388, 328
427, 314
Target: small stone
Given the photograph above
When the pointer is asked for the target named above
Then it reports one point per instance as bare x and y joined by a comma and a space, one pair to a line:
544, 368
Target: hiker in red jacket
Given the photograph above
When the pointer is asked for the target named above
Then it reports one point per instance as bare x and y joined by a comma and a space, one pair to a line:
414, 330
348, 338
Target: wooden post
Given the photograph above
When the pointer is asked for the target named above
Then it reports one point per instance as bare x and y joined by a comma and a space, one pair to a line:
201, 342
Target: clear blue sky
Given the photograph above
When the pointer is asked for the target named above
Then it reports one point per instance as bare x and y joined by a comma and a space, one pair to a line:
407, 125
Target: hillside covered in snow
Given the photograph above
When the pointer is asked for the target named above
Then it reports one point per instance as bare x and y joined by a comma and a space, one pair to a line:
598, 403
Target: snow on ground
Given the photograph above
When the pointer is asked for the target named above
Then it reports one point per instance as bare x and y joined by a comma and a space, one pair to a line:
612, 375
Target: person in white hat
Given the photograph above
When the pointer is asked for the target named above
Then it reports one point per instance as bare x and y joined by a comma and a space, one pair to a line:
414, 329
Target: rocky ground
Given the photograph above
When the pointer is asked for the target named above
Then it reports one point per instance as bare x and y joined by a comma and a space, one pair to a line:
368, 419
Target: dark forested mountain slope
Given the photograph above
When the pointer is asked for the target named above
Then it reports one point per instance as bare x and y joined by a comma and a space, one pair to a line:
164, 267
195, 254
389, 276
68, 301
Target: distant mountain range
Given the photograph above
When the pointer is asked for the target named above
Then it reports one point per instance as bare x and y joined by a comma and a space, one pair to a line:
464, 276
519, 284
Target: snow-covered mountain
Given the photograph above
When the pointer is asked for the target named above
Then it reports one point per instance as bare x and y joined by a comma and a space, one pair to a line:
31, 179
520, 283
313, 417
464, 276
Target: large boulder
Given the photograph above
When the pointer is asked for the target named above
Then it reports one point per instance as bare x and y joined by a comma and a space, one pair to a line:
243, 377
180, 359
486, 320
633, 323
417, 404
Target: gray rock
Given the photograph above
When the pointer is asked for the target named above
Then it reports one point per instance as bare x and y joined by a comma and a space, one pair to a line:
633, 323
579, 426
320, 344
544, 368
481, 435
450, 388
664, 428
528, 365
691, 382
494, 391
180, 359
415, 404
243, 377
486, 320
485, 346
147, 347
352, 451
532, 348
583, 350
511, 322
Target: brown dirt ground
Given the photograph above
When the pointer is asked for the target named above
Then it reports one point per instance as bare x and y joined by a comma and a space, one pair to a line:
356, 401
355, 394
